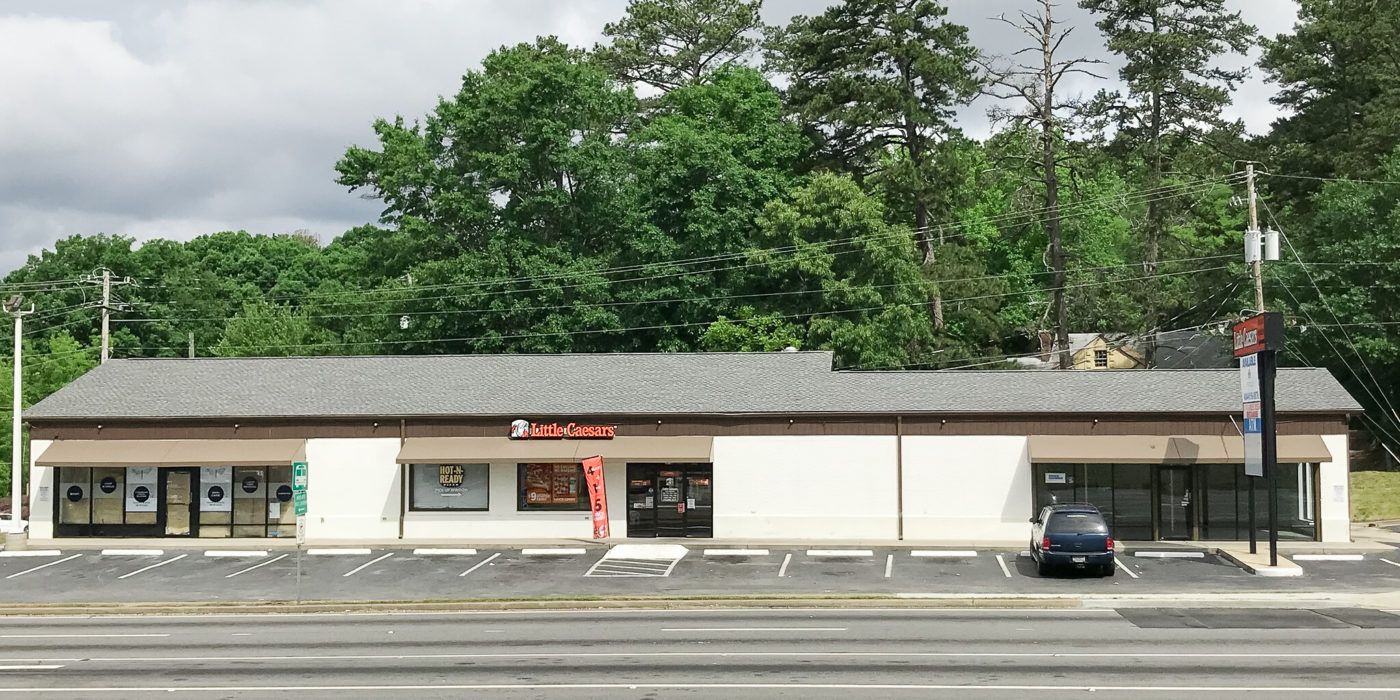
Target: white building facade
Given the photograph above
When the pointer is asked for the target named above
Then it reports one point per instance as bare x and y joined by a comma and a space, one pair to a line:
737, 447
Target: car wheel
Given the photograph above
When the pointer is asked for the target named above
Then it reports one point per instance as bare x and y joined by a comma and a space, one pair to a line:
1106, 570
1041, 568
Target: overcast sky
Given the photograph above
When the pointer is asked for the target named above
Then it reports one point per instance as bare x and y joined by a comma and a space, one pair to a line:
174, 119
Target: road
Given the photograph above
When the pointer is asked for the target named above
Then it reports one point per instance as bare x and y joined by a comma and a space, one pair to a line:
731, 653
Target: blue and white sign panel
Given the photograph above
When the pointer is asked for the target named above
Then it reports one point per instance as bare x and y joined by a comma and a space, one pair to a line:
1249, 379
1253, 440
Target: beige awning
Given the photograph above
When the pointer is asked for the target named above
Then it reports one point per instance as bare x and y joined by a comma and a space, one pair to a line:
1166, 449
501, 449
172, 453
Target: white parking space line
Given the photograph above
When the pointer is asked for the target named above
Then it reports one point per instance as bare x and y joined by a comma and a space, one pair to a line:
553, 552
736, 552
1392, 563
1170, 555
31, 553
1328, 557
840, 553
753, 629
359, 551
235, 553
1119, 563
943, 553
1002, 563
70, 557
257, 566
80, 636
429, 551
133, 552
782, 570
480, 564
889, 565
359, 568
31, 667
153, 566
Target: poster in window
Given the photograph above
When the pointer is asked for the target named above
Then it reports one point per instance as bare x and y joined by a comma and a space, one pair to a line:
450, 486
216, 489
551, 484
141, 490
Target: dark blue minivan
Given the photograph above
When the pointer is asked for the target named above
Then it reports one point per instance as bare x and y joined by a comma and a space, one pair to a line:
1071, 535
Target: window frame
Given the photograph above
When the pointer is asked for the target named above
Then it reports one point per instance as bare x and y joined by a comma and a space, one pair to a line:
413, 488
1100, 359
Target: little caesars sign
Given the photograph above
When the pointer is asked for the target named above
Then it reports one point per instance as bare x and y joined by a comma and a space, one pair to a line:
526, 430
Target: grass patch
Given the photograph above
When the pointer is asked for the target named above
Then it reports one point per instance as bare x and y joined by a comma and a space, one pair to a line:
1375, 496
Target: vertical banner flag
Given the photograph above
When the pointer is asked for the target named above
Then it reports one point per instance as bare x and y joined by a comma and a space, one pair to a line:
597, 496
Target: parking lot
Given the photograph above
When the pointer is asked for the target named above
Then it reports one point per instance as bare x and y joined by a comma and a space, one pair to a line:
117, 575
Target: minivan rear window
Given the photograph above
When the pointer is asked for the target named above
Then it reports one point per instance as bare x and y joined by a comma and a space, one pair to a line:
1076, 524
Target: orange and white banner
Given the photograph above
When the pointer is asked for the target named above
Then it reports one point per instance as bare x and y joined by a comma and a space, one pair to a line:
597, 495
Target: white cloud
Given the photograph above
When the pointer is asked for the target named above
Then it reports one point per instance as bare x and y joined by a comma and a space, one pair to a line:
173, 120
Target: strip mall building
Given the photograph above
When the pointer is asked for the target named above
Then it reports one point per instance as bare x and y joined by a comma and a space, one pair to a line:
741, 447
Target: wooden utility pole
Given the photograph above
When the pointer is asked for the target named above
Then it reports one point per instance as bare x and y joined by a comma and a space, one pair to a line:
1253, 237
106, 312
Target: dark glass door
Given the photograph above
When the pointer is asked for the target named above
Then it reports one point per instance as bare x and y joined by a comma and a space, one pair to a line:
1174, 507
641, 500
699, 502
670, 502
177, 502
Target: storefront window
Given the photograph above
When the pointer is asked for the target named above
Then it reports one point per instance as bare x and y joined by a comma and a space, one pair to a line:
215, 501
142, 502
449, 486
1132, 501
551, 487
108, 488
1223, 492
249, 502
75, 496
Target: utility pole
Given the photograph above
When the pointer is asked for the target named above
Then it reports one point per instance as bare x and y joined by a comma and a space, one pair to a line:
16, 444
1252, 238
191, 345
106, 310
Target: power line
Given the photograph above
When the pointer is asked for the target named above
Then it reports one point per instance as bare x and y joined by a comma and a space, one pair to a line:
1333, 179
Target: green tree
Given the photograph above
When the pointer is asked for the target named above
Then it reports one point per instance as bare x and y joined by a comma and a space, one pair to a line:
670, 43
271, 330
49, 365
875, 75
1340, 86
860, 285
1176, 87
750, 333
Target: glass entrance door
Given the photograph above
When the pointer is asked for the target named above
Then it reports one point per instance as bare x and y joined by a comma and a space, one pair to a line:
641, 500
669, 500
1174, 508
177, 501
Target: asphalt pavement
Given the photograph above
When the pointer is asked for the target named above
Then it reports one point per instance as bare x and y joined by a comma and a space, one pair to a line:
730, 653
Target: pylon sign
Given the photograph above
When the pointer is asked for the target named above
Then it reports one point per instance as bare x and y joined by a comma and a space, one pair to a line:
1256, 342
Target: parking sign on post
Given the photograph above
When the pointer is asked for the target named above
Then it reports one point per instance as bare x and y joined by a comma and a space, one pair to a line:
299, 498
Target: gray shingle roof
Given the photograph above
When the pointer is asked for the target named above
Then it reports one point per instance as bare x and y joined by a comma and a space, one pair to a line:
700, 383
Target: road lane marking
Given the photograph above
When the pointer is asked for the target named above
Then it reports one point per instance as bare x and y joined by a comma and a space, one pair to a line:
1119, 563
45, 566
257, 566
133, 552
235, 553
357, 569
31, 667
31, 553
80, 636
1002, 563
480, 564
782, 570
430, 551
840, 553
736, 552
1328, 557
358, 551
553, 552
153, 566
753, 629
1390, 562
889, 565
867, 688
943, 553
1170, 555
738, 654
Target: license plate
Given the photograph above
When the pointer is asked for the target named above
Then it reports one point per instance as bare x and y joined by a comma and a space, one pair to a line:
1077, 560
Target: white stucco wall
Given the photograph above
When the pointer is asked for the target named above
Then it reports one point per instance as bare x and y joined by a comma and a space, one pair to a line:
967, 489
821, 487
40, 493
352, 489
1334, 489
502, 522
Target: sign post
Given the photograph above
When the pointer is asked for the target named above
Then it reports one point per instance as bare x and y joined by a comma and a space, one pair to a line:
1256, 342
299, 501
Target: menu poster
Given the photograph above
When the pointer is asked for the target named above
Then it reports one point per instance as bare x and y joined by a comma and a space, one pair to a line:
551, 484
